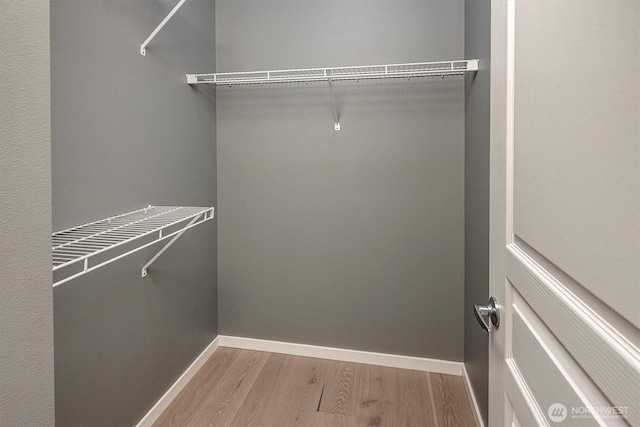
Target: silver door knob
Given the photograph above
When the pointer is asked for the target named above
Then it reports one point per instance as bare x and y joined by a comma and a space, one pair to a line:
490, 312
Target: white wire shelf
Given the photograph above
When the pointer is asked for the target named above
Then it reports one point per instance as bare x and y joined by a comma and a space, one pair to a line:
419, 69
79, 250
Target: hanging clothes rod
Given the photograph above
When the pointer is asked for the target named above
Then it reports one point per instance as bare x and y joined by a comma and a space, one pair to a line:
419, 69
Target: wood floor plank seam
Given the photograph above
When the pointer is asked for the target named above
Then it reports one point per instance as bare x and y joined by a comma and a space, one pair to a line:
220, 404
432, 400
339, 398
259, 398
300, 402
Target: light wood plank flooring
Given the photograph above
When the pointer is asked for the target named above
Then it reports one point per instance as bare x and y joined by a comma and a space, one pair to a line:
251, 388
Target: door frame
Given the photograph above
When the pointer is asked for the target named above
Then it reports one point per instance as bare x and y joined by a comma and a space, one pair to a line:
501, 138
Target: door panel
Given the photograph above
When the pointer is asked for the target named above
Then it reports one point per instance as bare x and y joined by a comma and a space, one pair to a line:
577, 150
533, 359
601, 351
563, 352
521, 403
565, 212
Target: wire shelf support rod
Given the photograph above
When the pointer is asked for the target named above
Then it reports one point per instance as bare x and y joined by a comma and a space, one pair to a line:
143, 47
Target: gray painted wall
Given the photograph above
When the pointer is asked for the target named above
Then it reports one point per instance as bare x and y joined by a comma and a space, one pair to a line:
127, 131
477, 44
26, 305
355, 238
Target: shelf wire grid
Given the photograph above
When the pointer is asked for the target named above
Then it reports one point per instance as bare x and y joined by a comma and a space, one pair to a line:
420, 69
80, 244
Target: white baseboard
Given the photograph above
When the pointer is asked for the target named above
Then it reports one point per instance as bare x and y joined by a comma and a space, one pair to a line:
366, 357
177, 387
472, 398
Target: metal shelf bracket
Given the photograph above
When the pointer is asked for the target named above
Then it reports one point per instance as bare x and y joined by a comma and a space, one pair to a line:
143, 47
165, 247
333, 102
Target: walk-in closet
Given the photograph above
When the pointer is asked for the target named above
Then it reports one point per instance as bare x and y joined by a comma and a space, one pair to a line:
326, 138
293, 212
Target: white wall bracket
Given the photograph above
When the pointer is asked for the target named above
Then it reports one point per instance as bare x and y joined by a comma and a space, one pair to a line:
333, 102
143, 47
169, 243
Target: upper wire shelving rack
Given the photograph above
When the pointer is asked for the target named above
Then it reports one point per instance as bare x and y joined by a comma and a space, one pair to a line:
419, 69
79, 250
331, 74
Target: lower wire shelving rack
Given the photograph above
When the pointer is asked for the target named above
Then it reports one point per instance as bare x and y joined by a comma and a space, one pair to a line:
79, 250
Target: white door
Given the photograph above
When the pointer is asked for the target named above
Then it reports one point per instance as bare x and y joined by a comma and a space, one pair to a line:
565, 212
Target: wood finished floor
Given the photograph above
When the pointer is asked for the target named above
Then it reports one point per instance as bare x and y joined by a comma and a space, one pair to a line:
252, 388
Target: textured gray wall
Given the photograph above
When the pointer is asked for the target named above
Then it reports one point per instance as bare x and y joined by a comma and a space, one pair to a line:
354, 238
477, 44
26, 318
127, 132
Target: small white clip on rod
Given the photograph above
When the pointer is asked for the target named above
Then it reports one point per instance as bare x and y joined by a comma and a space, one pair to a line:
143, 47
